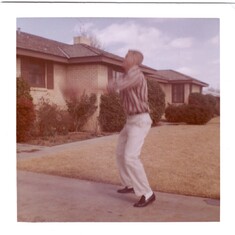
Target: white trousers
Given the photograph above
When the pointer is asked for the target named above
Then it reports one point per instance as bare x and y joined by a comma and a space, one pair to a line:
130, 142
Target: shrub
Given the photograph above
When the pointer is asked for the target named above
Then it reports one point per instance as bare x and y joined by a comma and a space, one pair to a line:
207, 101
197, 114
25, 118
175, 113
81, 109
25, 110
156, 99
199, 111
197, 99
112, 117
212, 103
23, 89
52, 120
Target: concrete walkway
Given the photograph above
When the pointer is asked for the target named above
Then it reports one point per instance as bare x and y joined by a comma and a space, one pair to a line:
47, 198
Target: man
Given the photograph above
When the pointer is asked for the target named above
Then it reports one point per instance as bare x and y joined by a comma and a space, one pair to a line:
133, 91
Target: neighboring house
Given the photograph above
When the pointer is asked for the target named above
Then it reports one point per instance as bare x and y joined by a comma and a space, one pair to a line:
49, 65
178, 86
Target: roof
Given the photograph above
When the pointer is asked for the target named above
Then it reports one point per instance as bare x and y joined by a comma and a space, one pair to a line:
51, 47
30, 44
174, 76
39, 47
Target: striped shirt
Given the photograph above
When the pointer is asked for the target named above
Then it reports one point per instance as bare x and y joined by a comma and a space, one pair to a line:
133, 92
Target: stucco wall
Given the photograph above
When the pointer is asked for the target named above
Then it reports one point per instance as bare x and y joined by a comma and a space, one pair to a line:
186, 92
18, 71
167, 90
196, 88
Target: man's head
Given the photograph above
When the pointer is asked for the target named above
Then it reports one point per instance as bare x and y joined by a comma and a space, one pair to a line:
132, 58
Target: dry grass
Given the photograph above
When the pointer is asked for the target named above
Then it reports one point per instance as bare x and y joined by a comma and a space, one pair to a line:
183, 159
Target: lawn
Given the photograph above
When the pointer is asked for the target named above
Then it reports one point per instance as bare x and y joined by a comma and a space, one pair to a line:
183, 159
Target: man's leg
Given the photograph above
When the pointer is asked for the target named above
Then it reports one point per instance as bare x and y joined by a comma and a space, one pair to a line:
134, 167
124, 176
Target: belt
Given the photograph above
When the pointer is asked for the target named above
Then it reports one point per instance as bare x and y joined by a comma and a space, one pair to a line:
136, 113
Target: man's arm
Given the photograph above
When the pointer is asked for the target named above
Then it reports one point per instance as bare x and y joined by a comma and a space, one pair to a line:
131, 79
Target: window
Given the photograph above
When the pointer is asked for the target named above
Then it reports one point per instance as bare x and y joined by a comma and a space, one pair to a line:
114, 74
177, 93
38, 73
117, 74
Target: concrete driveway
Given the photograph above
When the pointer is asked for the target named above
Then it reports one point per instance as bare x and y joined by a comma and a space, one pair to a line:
47, 198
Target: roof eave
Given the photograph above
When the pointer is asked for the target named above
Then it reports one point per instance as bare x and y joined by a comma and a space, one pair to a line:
40, 55
190, 81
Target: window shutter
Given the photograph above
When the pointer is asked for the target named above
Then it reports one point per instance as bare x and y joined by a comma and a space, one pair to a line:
50, 75
24, 68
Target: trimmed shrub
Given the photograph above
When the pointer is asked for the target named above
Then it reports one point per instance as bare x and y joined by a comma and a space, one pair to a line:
25, 111
199, 111
156, 99
207, 101
51, 120
197, 114
112, 117
197, 99
175, 113
212, 103
81, 109
23, 89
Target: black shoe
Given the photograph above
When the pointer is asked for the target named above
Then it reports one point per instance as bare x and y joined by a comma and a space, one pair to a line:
142, 202
126, 190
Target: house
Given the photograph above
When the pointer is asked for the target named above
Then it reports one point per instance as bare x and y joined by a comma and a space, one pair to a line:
49, 65
178, 86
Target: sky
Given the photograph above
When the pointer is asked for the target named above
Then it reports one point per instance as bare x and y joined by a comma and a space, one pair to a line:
187, 45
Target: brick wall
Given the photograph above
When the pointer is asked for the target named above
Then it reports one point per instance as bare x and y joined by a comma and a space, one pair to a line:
88, 78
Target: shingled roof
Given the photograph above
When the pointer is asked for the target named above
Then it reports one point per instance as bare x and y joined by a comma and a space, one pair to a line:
51, 47
32, 45
174, 76
39, 47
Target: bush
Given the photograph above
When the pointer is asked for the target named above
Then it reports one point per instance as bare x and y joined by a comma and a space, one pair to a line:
81, 109
156, 99
199, 111
25, 111
23, 89
112, 117
175, 113
207, 101
197, 114
51, 120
